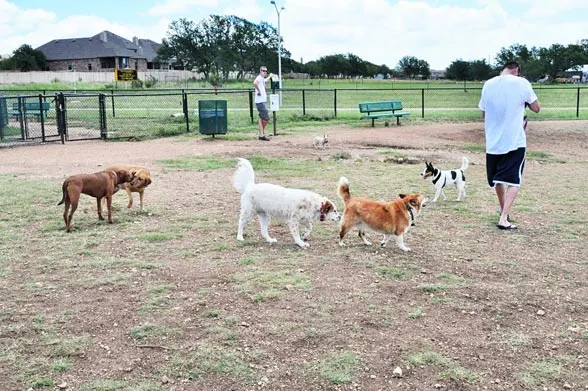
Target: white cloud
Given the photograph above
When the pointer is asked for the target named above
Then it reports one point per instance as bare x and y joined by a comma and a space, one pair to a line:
379, 31
177, 7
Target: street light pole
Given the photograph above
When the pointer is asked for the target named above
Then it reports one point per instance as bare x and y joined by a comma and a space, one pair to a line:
279, 48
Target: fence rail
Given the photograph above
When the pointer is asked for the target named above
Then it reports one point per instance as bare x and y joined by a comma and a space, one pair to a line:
69, 116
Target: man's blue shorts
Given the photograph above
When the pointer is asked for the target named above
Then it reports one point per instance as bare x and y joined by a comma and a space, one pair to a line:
263, 114
506, 168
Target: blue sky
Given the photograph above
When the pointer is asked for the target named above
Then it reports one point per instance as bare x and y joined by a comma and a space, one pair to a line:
379, 31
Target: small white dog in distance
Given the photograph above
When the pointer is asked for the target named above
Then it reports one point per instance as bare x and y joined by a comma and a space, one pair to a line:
294, 206
446, 178
320, 141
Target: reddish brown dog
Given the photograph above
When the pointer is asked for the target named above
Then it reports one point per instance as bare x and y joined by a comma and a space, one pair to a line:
100, 185
392, 218
141, 179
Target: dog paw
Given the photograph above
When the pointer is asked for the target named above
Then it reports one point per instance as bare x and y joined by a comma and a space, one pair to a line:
341, 244
405, 249
272, 240
366, 243
303, 245
240, 238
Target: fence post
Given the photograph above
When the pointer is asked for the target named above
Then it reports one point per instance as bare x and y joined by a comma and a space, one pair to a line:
42, 116
185, 108
578, 103
112, 97
251, 105
61, 117
423, 103
22, 118
102, 115
335, 102
303, 102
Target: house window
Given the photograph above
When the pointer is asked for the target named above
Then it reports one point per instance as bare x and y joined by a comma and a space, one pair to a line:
124, 62
69, 65
107, 63
89, 66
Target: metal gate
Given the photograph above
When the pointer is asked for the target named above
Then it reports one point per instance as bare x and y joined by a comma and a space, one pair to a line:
82, 116
29, 118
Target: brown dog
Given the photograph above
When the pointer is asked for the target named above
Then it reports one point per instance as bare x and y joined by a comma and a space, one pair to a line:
141, 179
389, 218
100, 185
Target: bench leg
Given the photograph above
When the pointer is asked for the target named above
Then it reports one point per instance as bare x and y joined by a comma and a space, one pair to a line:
372, 122
397, 121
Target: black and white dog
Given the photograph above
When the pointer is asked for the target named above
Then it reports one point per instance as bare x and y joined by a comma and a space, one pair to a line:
444, 178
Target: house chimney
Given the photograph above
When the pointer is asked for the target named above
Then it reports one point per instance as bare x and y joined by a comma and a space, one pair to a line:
103, 36
136, 41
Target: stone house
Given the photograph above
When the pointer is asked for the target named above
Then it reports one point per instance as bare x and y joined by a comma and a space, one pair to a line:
102, 52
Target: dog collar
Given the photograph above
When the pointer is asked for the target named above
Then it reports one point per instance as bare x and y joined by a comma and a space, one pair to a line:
411, 212
412, 218
322, 215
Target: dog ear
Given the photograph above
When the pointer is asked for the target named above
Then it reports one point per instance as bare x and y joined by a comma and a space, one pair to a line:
401, 195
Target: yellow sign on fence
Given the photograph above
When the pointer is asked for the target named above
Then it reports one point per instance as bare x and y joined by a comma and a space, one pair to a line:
125, 74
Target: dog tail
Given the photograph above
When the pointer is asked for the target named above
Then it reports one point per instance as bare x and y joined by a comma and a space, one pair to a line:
64, 189
343, 189
244, 175
464, 164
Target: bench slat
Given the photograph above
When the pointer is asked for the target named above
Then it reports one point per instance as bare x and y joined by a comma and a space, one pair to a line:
31, 106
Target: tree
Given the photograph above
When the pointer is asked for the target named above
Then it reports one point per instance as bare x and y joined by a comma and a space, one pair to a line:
25, 59
480, 70
458, 70
357, 67
219, 45
413, 67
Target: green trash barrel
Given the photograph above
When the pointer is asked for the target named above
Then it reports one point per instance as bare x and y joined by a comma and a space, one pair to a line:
212, 116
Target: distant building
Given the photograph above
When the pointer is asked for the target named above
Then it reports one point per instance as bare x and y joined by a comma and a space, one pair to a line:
437, 74
579, 73
102, 52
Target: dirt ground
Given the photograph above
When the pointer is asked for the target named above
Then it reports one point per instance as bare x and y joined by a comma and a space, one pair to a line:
505, 311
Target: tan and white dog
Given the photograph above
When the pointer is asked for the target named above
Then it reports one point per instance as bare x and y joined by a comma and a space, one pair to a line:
141, 179
294, 206
392, 218
320, 141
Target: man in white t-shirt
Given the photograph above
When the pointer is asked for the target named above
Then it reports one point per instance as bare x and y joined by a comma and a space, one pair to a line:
261, 100
503, 103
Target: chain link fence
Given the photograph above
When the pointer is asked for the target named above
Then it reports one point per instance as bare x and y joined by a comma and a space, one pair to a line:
90, 115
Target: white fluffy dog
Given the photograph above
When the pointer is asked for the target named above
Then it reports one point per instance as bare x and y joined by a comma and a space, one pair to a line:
294, 206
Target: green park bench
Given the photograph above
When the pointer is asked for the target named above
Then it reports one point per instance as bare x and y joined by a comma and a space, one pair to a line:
30, 108
385, 109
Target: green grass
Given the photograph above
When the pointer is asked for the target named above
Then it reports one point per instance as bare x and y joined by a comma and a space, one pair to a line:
391, 272
68, 347
150, 331
208, 359
264, 285
541, 372
139, 116
338, 369
433, 288
102, 385
448, 369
